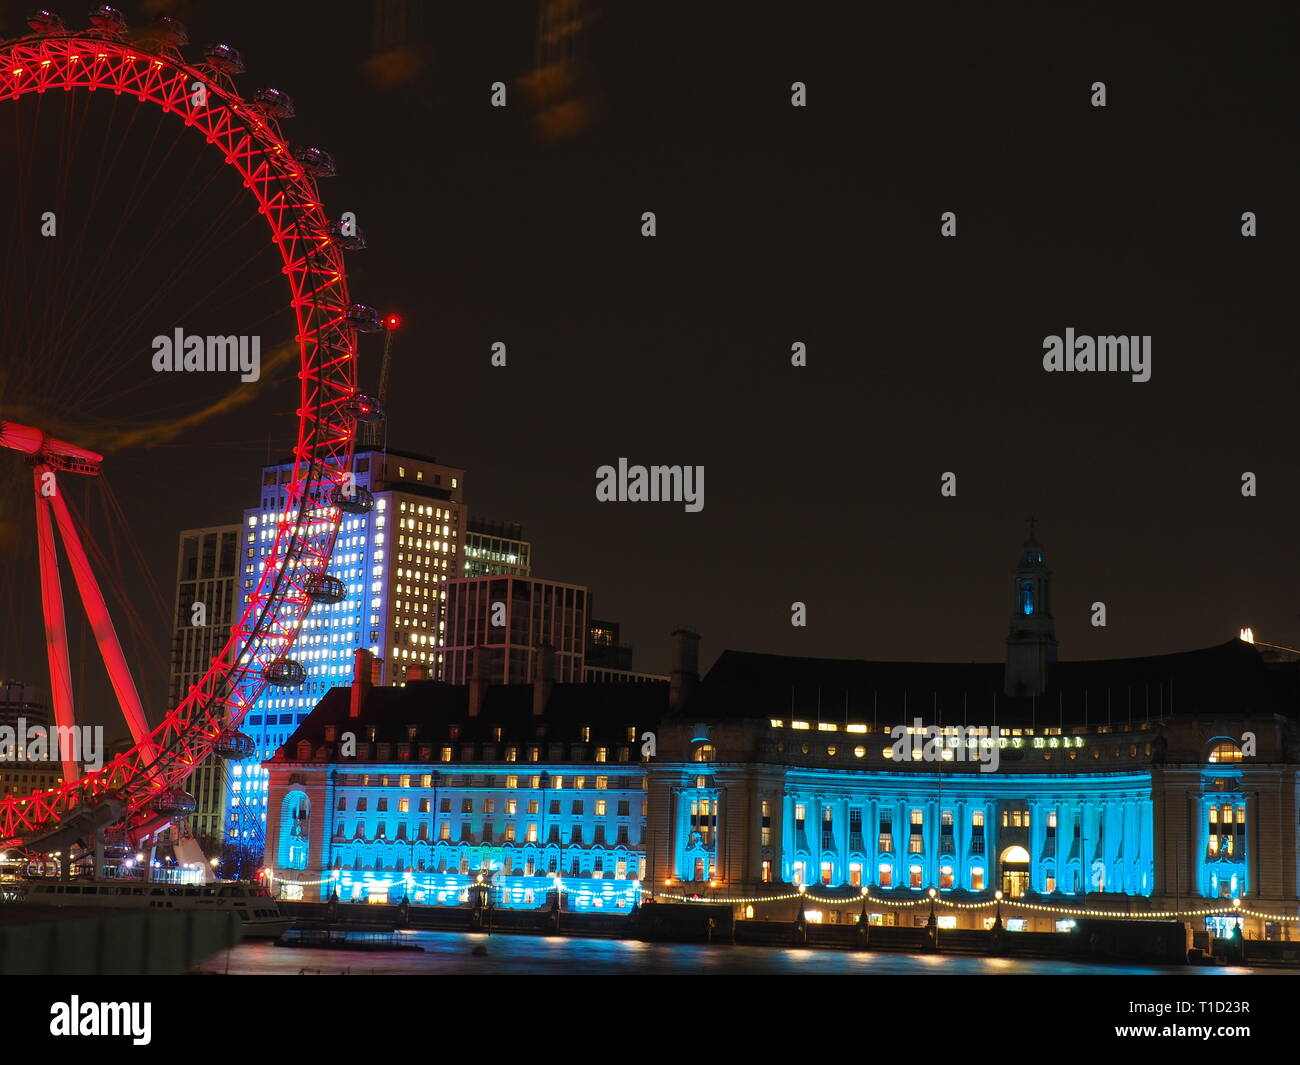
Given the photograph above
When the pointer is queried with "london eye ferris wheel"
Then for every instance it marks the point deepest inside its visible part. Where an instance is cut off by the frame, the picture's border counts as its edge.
(71, 401)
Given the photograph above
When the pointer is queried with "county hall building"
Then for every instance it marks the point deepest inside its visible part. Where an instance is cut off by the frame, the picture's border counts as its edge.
(1165, 784)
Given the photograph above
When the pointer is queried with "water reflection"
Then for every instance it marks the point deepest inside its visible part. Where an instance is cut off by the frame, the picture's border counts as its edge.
(449, 953)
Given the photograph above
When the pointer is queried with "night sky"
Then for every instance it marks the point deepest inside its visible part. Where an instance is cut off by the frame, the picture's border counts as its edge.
(779, 224)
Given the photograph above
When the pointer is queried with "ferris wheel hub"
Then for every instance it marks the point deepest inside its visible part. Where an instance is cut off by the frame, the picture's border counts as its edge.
(49, 451)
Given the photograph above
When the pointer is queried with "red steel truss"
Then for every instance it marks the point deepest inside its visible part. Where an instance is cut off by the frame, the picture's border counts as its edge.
(249, 139)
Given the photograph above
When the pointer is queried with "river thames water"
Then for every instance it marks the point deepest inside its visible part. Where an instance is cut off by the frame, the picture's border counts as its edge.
(449, 953)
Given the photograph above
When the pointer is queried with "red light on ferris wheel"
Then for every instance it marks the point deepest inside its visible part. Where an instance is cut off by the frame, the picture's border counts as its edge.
(393, 321)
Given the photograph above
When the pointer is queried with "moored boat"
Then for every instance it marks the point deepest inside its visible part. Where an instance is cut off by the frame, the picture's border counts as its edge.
(258, 912)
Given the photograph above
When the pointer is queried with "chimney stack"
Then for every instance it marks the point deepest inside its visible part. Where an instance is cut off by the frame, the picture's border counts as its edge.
(477, 682)
(363, 678)
(543, 677)
(685, 676)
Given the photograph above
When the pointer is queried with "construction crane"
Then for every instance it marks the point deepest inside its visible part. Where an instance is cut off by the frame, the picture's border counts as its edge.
(371, 431)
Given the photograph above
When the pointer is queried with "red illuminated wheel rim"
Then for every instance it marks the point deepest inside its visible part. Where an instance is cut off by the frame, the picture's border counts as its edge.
(248, 137)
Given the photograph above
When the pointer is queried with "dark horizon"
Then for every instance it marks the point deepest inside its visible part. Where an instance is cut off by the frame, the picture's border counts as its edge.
(775, 225)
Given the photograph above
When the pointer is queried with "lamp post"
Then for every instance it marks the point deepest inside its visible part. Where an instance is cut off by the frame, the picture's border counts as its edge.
(996, 932)
(932, 925)
(801, 922)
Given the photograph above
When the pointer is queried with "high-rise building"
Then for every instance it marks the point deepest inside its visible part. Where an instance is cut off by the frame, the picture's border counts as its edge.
(609, 661)
(496, 549)
(604, 651)
(207, 605)
(397, 546)
(20, 712)
(18, 700)
(504, 621)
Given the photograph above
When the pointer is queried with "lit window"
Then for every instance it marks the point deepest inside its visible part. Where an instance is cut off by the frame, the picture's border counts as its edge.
(1225, 752)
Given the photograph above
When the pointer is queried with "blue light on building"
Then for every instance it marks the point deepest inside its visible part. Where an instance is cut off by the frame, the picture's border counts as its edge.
(392, 555)
(911, 831)
(325, 645)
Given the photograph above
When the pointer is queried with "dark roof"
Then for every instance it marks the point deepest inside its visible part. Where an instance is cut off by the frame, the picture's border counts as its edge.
(432, 707)
(1229, 678)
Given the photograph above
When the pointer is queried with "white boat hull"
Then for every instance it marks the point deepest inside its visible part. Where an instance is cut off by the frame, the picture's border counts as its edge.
(259, 915)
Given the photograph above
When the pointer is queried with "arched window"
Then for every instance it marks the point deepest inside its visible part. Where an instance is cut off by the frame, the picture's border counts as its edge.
(1027, 597)
(704, 752)
(1225, 752)
(295, 822)
(1015, 871)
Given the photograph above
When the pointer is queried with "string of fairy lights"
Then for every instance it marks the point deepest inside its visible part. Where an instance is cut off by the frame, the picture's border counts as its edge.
(1236, 909)
(409, 882)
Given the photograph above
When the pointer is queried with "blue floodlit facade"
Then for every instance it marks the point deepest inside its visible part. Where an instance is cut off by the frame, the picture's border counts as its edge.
(1145, 785)
(1126, 787)
(893, 831)
(429, 836)
(543, 785)
(1158, 786)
